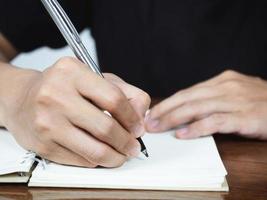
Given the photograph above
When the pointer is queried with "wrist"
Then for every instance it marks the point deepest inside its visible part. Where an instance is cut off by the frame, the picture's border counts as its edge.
(14, 85)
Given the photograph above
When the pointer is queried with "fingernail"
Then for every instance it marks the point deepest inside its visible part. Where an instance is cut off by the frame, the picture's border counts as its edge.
(182, 131)
(139, 130)
(152, 123)
(147, 113)
(135, 151)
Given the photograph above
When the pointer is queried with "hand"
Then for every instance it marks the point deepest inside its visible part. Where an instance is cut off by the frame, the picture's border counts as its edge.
(60, 116)
(229, 103)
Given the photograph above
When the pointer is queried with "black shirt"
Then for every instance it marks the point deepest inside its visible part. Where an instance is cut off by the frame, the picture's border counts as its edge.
(159, 46)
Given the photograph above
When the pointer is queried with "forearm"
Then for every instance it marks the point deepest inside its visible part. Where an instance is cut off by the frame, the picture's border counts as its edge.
(13, 85)
(7, 50)
(3, 57)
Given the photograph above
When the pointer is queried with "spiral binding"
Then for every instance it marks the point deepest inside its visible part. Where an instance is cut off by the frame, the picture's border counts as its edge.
(42, 161)
(31, 157)
(28, 157)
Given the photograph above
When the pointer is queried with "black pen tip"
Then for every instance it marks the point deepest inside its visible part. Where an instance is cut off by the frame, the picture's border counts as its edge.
(145, 153)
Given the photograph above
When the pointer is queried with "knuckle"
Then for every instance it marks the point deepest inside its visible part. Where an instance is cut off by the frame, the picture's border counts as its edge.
(203, 125)
(181, 93)
(230, 73)
(233, 85)
(107, 127)
(172, 119)
(217, 120)
(201, 107)
(50, 96)
(43, 150)
(65, 61)
(99, 155)
(157, 109)
(44, 95)
(146, 99)
(40, 124)
(116, 100)
(66, 65)
(191, 108)
(126, 145)
(258, 79)
(112, 77)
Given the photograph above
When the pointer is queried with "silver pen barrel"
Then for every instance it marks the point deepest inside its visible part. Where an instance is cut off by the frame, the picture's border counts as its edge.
(70, 34)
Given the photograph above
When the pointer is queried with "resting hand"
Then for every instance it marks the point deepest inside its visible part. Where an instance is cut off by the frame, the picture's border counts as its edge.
(229, 103)
(59, 115)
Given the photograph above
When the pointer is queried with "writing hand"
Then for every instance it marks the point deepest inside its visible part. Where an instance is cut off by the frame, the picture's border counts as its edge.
(59, 115)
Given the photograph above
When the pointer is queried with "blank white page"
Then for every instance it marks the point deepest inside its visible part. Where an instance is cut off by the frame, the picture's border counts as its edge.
(172, 164)
(13, 158)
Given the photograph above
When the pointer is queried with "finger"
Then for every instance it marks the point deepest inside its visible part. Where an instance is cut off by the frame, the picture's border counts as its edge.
(109, 97)
(192, 111)
(139, 99)
(216, 123)
(201, 90)
(64, 156)
(103, 127)
(180, 98)
(88, 147)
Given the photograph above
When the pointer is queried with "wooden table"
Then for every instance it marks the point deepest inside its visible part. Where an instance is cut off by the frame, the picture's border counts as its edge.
(245, 161)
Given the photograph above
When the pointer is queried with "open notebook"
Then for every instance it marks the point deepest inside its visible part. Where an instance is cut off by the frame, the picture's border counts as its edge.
(173, 165)
(15, 162)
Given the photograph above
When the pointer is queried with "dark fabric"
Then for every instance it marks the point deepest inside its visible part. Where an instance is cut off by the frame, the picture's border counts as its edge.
(27, 25)
(163, 46)
(159, 46)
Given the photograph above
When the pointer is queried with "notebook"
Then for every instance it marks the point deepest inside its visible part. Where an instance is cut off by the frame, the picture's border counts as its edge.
(172, 165)
(15, 162)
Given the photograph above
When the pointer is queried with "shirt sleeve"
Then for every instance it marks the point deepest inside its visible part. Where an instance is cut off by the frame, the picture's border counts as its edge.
(27, 25)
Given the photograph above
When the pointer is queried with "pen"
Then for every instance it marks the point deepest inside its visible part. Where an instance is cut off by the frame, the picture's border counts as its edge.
(73, 39)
